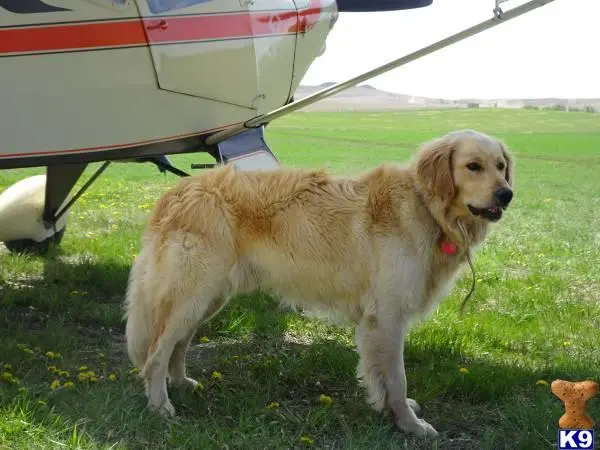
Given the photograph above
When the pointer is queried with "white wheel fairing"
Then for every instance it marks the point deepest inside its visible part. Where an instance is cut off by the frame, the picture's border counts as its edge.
(21, 210)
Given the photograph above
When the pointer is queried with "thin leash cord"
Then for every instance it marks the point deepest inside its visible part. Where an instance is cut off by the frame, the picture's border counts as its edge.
(468, 296)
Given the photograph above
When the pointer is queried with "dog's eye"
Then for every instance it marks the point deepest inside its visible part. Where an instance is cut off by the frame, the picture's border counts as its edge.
(473, 166)
(500, 166)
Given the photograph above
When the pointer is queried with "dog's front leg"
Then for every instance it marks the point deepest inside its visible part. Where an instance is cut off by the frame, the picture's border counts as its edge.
(380, 343)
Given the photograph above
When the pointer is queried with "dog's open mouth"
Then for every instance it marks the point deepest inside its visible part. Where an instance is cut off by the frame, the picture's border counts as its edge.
(492, 214)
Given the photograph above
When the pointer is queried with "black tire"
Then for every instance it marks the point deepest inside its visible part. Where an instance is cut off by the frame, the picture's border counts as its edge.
(36, 248)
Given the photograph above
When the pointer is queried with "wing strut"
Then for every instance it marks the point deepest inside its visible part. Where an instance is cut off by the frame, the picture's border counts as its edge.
(499, 17)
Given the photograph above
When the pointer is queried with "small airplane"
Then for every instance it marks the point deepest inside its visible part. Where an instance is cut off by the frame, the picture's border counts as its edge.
(86, 81)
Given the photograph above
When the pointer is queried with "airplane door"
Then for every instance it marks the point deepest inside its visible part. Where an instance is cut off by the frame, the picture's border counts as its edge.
(235, 51)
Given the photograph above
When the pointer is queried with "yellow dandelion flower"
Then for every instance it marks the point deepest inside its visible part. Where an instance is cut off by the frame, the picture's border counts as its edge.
(83, 368)
(273, 405)
(53, 355)
(7, 376)
(541, 383)
(217, 375)
(64, 373)
(566, 343)
(69, 384)
(463, 370)
(23, 390)
(306, 440)
(28, 351)
(52, 369)
(198, 387)
(7, 367)
(325, 399)
(93, 379)
(55, 385)
(90, 373)
(204, 339)
(82, 376)
(134, 370)
(112, 377)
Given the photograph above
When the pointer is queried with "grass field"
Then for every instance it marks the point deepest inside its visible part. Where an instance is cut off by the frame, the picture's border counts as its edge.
(481, 378)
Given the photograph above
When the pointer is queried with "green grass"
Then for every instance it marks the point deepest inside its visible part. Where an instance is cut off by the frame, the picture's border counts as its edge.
(535, 315)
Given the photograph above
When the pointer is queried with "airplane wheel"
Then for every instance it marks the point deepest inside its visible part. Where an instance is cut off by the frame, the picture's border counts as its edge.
(37, 248)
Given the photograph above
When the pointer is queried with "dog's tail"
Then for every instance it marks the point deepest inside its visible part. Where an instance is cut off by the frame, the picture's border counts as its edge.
(138, 313)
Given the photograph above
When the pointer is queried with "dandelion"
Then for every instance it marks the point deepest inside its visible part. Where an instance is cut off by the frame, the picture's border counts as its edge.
(82, 376)
(306, 440)
(134, 371)
(112, 377)
(55, 385)
(63, 373)
(463, 370)
(9, 378)
(198, 387)
(25, 349)
(93, 379)
(273, 405)
(541, 383)
(83, 368)
(325, 399)
(53, 355)
(69, 385)
(52, 369)
(7, 367)
(566, 343)
(204, 339)
(216, 376)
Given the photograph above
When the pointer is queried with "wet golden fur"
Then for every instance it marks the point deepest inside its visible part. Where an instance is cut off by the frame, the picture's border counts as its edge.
(362, 249)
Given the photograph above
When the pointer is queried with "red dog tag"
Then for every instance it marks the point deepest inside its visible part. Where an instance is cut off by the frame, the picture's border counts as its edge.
(447, 247)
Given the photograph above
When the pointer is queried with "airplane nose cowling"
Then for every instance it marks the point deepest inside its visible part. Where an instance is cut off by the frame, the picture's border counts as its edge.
(380, 5)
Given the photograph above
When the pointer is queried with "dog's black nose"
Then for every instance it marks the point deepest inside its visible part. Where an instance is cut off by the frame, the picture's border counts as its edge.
(503, 196)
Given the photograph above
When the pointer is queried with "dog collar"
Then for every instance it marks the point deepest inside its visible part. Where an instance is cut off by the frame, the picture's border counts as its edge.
(448, 248)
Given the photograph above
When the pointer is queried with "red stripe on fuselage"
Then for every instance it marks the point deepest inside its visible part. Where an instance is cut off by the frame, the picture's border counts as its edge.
(163, 30)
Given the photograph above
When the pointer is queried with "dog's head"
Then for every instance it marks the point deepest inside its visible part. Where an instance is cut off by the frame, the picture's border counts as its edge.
(470, 173)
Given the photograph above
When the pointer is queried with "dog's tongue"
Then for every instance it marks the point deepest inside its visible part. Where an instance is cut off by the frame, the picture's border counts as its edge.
(493, 210)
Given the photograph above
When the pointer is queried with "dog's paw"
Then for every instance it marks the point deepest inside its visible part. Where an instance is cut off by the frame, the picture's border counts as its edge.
(190, 383)
(413, 405)
(165, 409)
(420, 428)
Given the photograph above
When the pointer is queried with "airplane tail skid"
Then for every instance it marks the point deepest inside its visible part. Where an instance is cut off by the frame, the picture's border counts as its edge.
(499, 17)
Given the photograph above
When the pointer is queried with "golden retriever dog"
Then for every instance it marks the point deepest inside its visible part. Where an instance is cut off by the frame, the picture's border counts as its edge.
(380, 250)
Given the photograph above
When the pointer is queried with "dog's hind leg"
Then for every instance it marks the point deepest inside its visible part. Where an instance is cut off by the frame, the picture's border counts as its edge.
(190, 276)
(380, 343)
(177, 372)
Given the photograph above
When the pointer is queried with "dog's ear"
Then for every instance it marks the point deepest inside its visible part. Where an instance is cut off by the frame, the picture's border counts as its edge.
(434, 168)
(508, 172)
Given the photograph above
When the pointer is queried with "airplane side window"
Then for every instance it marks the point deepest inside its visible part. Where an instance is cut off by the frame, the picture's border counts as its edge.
(161, 6)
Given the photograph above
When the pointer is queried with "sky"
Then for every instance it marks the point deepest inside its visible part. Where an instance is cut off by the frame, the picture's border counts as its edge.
(553, 51)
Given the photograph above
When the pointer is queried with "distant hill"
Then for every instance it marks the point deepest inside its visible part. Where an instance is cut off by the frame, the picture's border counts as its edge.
(368, 98)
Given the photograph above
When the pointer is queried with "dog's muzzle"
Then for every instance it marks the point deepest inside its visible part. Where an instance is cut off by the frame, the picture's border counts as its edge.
(502, 198)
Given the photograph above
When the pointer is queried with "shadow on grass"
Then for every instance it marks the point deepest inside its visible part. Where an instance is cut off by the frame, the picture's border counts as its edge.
(273, 367)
